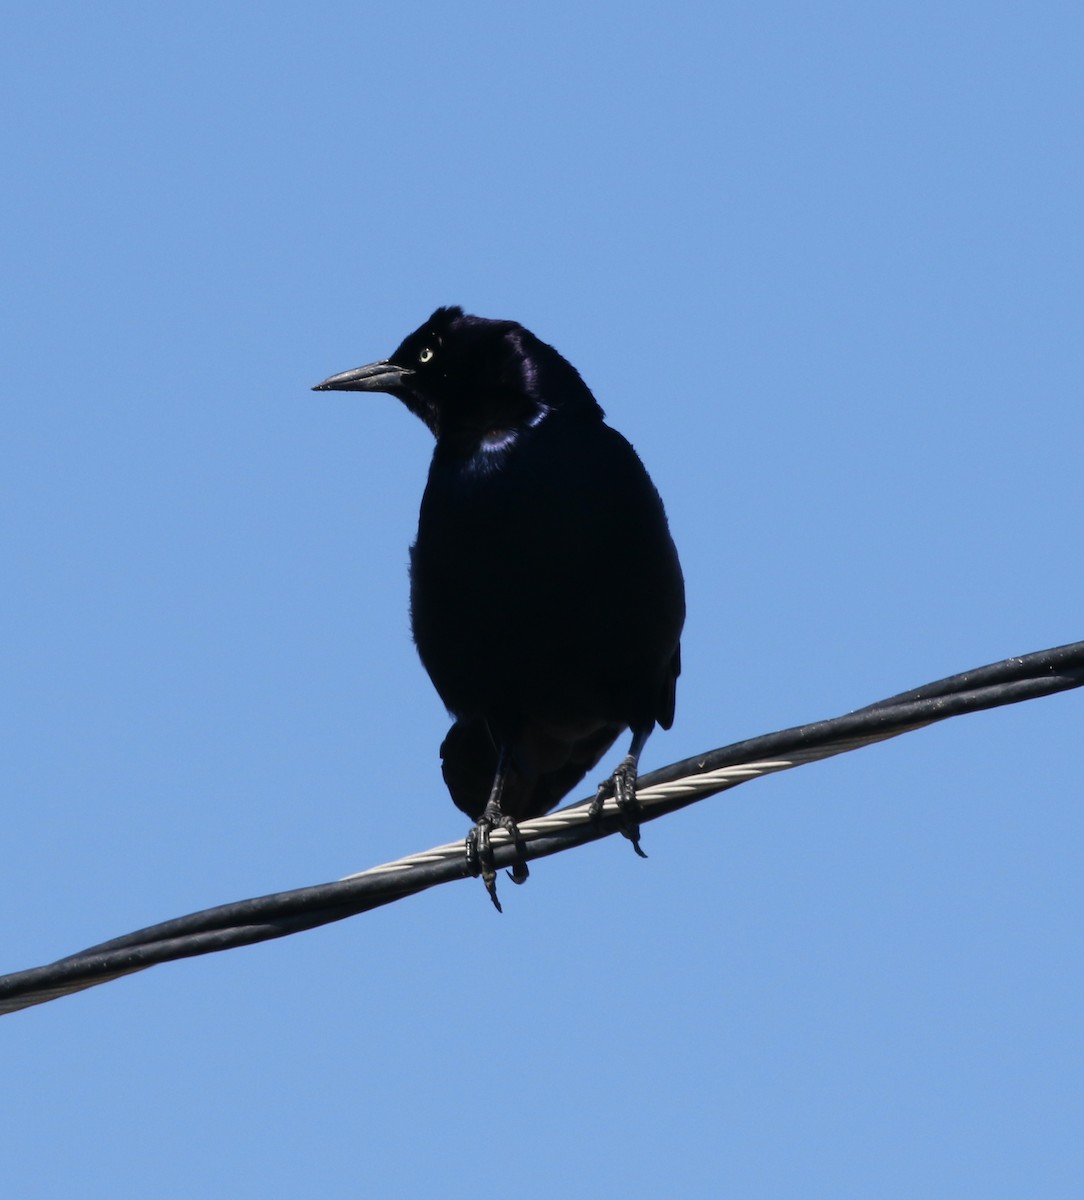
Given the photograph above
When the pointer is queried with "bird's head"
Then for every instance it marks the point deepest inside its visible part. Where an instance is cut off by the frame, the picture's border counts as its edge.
(471, 379)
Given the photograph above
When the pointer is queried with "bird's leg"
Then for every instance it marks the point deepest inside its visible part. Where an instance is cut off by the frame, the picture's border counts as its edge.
(622, 787)
(479, 850)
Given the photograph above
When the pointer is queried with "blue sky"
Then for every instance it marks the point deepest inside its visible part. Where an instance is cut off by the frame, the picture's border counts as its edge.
(822, 265)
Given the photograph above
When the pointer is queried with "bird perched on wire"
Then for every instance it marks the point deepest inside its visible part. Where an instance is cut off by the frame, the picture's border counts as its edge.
(547, 599)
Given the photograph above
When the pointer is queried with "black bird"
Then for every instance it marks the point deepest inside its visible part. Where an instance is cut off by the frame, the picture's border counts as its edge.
(547, 599)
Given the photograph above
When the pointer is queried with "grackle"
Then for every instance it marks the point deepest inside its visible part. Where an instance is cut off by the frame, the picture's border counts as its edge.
(546, 595)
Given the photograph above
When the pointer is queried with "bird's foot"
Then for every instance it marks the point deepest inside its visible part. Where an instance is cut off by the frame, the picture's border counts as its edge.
(621, 786)
(480, 854)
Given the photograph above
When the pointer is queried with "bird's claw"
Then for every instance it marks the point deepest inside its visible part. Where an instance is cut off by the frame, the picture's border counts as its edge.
(519, 872)
(480, 859)
(480, 854)
(621, 786)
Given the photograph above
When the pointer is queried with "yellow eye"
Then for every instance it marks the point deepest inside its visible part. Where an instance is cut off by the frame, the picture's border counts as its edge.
(426, 354)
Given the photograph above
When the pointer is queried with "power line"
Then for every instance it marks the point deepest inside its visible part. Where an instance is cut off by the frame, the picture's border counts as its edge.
(660, 792)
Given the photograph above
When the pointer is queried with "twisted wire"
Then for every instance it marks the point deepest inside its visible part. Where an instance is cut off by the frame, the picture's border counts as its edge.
(660, 792)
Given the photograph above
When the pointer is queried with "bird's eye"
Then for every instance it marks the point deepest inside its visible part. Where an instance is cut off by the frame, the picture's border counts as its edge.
(425, 354)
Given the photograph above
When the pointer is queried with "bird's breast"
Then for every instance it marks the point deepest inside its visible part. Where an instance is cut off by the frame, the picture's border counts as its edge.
(513, 600)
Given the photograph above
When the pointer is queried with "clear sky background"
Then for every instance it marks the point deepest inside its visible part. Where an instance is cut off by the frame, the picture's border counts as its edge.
(822, 264)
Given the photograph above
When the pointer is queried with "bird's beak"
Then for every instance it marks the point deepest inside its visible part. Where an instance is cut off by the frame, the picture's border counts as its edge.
(383, 376)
